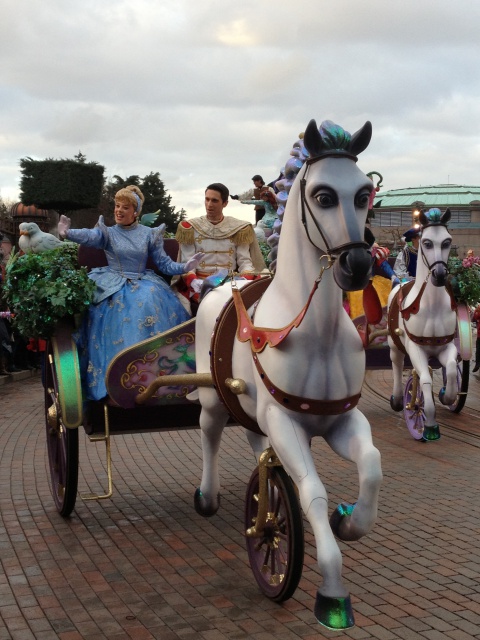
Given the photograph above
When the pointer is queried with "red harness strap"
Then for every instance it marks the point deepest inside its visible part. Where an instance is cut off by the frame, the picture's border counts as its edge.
(261, 336)
(413, 309)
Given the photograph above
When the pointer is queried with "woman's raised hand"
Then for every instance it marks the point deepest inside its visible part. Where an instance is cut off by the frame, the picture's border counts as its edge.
(192, 264)
(63, 226)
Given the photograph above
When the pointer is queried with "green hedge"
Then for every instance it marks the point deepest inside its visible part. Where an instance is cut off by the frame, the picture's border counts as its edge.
(63, 185)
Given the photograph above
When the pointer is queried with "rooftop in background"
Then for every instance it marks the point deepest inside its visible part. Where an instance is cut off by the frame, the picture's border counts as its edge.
(441, 195)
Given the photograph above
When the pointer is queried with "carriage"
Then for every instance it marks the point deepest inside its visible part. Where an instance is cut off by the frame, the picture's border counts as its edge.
(244, 358)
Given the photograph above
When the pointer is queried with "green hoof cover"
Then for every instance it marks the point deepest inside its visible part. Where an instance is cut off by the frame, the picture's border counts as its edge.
(431, 433)
(334, 613)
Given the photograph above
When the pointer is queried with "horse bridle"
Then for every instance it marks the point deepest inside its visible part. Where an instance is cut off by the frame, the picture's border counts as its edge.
(331, 252)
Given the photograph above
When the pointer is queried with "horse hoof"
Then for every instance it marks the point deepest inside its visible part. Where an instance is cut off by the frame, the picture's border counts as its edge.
(397, 405)
(334, 613)
(431, 433)
(342, 511)
(201, 506)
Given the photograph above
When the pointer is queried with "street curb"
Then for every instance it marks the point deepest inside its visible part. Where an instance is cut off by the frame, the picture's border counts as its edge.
(17, 376)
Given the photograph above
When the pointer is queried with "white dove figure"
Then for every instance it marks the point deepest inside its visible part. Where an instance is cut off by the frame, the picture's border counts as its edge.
(33, 240)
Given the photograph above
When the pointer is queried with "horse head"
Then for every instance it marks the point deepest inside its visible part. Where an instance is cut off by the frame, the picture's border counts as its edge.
(435, 244)
(335, 194)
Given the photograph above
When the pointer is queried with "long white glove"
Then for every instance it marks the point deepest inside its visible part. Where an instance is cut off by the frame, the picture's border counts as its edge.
(192, 264)
(63, 226)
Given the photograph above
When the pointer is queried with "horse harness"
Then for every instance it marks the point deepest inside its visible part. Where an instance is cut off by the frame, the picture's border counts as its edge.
(396, 310)
(260, 337)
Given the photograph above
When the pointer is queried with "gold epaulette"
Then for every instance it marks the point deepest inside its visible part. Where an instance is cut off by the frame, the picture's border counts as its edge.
(244, 236)
(185, 236)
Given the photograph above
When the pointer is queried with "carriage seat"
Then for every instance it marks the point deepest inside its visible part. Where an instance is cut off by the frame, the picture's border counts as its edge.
(91, 258)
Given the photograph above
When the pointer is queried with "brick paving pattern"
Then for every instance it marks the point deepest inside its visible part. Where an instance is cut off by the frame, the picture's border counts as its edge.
(144, 565)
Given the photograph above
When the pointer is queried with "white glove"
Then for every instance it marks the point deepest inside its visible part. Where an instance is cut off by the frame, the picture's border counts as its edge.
(192, 264)
(63, 226)
(196, 285)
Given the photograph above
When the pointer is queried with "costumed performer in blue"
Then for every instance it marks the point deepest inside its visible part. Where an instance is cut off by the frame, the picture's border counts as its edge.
(405, 266)
(131, 302)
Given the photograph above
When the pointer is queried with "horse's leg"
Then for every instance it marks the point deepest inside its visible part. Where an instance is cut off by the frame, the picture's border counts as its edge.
(448, 359)
(351, 438)
(213, 419)
(292, 445)
(397, 357)
(258, 443)
(420, 364)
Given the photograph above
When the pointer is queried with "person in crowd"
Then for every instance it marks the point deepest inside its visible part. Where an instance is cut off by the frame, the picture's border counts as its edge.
(405, 266)
(131, 302)
(255, 194)
(269, 202)
(228, 244)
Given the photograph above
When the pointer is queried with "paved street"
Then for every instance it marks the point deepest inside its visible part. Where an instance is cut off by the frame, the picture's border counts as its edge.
(144, 565)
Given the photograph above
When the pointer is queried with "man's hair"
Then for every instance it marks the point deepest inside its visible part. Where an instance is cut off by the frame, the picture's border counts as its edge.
(221, 188)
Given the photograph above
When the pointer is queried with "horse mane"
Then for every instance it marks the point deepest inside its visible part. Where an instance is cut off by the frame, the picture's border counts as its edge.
(328, 139)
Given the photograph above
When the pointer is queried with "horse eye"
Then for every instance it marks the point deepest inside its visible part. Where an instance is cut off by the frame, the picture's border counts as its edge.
(326, 200)
(361, 200)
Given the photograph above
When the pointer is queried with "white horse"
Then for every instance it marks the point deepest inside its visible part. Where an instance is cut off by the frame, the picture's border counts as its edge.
(318, 368)
(422, 323)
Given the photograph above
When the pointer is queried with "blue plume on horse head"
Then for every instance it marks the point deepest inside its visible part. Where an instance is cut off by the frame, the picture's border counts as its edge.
(434, 217)
(331, 139)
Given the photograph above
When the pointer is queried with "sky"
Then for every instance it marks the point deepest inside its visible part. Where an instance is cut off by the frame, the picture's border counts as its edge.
(218, 90)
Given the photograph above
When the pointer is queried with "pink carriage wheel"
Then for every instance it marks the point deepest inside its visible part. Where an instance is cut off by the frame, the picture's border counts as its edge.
(276, 558)
(62, 443)
(415, 415)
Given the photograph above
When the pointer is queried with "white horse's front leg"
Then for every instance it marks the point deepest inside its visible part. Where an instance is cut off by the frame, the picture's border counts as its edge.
(420, 363)
(213, 419)
(351, 438)
(397, 358)
(292, 446)
(258, 443)
(448, 359)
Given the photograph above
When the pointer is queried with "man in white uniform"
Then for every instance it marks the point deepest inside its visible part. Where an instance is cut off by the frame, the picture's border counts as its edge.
(227, 243)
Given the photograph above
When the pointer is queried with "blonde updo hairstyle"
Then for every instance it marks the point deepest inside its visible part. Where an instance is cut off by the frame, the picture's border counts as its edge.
(131, 195)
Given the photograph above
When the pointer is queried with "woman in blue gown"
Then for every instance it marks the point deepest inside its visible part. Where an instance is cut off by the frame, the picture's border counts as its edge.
(131, 302)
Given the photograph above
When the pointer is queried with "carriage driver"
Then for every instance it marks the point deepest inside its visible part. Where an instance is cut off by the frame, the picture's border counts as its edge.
(228, 244)
(406, 263)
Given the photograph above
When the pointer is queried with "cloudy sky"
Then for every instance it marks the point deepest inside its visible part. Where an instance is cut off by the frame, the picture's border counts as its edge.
(217, 90)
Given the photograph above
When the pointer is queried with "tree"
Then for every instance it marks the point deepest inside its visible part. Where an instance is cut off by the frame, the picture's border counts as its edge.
(156, 198)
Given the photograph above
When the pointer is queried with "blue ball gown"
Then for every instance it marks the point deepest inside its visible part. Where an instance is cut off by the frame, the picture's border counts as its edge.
(131, 302)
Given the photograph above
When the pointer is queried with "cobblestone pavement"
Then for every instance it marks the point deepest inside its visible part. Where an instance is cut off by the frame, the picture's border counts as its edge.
(144, 565)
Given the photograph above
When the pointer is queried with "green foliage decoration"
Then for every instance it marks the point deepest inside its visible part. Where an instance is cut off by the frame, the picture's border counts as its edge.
(43, 288)
(265, 249)
(465, 279)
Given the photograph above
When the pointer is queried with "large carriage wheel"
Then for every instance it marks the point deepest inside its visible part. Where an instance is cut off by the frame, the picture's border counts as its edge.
(413, 409)
(62, 443)
(276, 558)
(463, 375)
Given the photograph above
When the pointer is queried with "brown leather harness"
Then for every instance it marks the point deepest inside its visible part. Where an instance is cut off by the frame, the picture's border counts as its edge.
(396, 310)
(259, 338)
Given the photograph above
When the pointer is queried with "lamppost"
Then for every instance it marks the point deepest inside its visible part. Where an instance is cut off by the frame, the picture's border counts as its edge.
(416, 209)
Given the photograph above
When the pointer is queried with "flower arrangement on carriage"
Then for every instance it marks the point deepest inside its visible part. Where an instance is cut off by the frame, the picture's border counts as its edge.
(465, 279)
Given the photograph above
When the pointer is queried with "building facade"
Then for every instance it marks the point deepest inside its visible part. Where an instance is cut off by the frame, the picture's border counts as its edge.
(397, 210)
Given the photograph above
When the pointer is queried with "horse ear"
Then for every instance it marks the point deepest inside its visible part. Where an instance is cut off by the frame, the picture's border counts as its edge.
(313, 140)
(446, 217)
(361, 139)
(424, 221)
